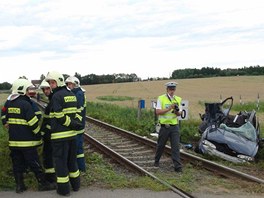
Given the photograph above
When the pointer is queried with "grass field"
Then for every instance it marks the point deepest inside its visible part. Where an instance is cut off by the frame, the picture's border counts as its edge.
(196, 91)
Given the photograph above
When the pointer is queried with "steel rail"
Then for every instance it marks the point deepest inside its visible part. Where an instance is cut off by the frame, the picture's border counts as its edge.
(131, 165)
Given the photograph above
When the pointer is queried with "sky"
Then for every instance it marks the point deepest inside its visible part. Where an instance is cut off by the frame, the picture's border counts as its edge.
(150, 38)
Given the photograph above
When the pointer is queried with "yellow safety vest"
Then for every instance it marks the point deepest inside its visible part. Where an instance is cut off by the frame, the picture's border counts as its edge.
(169, 117)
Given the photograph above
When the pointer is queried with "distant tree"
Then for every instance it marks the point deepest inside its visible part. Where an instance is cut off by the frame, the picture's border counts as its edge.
(132, 77)
(211, 72)
(5, 86)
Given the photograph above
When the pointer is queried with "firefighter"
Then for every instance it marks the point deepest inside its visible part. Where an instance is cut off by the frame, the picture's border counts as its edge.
(73, 83)
(45, 132)
(24, 135)
(65, 121)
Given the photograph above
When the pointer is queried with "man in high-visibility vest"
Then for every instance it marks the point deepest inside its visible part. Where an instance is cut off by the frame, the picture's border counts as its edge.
(167, 110)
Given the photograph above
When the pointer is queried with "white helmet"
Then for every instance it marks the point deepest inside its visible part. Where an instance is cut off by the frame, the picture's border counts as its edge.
(21, 85)
(44, 84)
(74, 80)
(58, 77)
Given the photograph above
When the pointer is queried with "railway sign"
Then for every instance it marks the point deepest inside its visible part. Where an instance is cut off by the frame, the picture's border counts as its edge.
(184, 108)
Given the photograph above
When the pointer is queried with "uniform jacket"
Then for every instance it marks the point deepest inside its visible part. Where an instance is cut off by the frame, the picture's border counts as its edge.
(4, 109)
(63, 112)
(45, 127)
(23, 123)
(81, 106)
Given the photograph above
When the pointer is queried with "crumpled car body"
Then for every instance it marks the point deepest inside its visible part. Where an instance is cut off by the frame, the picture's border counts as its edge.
(233, 138)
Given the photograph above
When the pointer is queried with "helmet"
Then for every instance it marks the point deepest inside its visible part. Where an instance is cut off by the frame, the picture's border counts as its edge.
(58, 77)
(171, 84)
(44, 84)
(20, 86)
(74, 80)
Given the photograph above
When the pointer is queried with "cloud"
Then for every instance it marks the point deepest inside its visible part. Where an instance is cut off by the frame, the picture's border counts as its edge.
(151, 38)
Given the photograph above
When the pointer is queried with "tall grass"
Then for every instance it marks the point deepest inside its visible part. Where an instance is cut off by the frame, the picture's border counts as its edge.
(115, 98)
(249, 106)
(127, 118)
(123, 117)
(6, 175)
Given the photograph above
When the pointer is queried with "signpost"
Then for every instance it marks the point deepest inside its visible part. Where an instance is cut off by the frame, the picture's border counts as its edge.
(141, 105)
(184, 108)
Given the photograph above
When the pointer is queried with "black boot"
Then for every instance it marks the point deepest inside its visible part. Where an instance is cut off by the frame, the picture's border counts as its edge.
(51, 177)
(43, 184)
(20, 185)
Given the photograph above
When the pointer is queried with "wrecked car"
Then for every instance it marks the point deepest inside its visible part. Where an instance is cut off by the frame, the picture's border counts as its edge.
(231, 137)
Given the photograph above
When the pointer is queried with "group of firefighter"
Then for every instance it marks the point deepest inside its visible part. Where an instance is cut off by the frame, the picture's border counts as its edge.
(59, 130)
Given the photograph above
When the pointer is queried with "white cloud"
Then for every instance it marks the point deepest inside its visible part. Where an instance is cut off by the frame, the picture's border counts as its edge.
(151, 38)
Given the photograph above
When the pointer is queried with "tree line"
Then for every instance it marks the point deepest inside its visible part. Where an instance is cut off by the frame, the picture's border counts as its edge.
(204, 72)
(214, 72)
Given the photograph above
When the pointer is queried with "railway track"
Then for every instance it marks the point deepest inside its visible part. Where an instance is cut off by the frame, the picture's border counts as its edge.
(137, 153)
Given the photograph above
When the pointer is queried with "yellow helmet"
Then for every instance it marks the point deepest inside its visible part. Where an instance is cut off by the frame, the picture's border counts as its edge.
(58, 77)
(44, 84)
(74, 80)
(20, 86)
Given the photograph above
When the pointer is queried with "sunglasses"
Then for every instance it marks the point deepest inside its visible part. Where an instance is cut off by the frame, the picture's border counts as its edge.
(171, 88)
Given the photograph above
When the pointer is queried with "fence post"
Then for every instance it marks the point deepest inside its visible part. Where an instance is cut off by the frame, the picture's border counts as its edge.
(258, 102)
(153, 106)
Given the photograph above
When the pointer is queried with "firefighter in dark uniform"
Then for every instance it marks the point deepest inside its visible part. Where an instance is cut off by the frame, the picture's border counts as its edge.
(24, 135)
(65, 121)
(45, 132)
(73, 83)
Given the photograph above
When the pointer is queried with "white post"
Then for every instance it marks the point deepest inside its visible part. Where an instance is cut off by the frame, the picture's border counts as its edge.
(258, 102)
